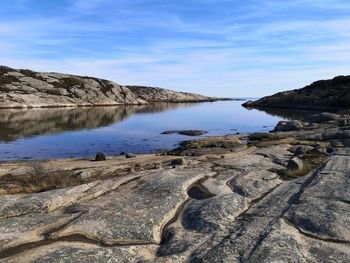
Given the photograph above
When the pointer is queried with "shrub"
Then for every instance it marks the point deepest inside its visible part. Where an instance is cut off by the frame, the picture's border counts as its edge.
(38, 178)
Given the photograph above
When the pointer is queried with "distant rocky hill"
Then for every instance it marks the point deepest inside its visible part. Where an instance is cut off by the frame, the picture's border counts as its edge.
(26, 88)
(151, 94)
(322, 95)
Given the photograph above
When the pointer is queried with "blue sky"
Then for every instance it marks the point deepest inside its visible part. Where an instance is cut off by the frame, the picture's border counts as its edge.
(214, 47)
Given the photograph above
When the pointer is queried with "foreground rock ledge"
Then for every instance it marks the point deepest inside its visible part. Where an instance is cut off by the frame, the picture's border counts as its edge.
(222, 203)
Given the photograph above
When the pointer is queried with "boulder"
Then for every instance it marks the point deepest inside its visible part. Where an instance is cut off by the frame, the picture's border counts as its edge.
(288, 126)
(295, 164)
(100, 156)
(179, 161)
(130, 155)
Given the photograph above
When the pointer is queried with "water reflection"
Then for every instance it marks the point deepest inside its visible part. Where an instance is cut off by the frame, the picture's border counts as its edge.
(81, 132)
(288, 114)
(18, 123)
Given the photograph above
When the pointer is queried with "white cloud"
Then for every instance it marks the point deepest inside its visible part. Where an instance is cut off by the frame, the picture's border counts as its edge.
(234, 56)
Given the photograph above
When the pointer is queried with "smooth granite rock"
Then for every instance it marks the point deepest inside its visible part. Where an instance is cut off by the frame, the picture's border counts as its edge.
(29, 89)
(227, 207)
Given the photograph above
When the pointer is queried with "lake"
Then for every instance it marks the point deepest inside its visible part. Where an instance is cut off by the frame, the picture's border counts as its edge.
(81, 132)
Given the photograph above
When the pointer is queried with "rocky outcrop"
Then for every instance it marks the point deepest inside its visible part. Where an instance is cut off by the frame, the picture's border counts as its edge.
(151, 94)
(29, 89)
(322, 95)
(219, 202)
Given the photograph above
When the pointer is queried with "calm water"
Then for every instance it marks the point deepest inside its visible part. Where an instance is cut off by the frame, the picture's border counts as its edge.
(81, 132)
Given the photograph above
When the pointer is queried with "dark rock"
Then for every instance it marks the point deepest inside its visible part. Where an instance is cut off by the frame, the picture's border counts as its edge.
(186, 132)
(295, 164)
(130, 155)
(323, 94)
(180, 161)
(322, 117)
(169, 132)
(300, 150)
(248, 104)
(344, 122)
(288, 126)
(169, 245)
(100, 156)
(192, 132)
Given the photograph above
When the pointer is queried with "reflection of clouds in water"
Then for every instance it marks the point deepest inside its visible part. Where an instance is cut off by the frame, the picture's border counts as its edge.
(17, 123)
(81, 132)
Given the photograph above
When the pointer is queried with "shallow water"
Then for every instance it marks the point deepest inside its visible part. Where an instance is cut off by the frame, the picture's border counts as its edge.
(81, 132)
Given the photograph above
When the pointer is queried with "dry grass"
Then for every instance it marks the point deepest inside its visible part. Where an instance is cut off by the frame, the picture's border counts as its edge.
(311, 162)
(38, 178)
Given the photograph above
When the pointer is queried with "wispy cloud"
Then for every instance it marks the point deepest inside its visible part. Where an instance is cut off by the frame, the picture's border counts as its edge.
(252, 48)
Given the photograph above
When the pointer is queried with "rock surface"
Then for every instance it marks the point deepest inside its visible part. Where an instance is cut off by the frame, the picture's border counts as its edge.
(322, 117)
(29, 89)
(152, 94)
(323, 95)
(288, 126)
(221, 201)
(100, 156)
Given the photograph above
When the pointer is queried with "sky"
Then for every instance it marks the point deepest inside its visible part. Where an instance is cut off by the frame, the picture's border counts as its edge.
(231, 48)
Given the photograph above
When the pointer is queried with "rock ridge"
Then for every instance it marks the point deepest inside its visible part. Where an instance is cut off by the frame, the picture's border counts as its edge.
(29, 89)
(331, 94)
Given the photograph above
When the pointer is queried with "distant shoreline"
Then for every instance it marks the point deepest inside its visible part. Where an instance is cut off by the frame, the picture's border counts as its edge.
(109, 104)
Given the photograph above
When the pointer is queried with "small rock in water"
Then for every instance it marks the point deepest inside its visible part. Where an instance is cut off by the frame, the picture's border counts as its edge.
(192, 132)
(100, 156)
(169, 132)
(130, 155)
(295, 164)
(186, 132)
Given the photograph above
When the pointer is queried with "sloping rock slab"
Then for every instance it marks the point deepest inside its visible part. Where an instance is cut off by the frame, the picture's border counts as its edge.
(136, 217)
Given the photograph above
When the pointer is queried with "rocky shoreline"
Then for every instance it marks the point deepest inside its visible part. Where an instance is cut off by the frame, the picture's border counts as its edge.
(281, 196)
(29, 89)
(325, 95)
